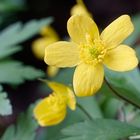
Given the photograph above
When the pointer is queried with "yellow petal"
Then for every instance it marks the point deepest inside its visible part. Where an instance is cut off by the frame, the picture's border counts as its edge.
(79, 8)
(88, 79)
(53, 121)
(117, 31)
(57, 87)
(39, 45)
(65, 92)
(71, 99)
(79, 26)
(121, 58)
(62, 54)
(50, 111)
(52, 71)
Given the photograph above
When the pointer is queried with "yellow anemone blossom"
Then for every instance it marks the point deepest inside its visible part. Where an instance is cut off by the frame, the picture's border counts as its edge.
(39, 45)
(52, 110)
(80, 8)
(90, 51)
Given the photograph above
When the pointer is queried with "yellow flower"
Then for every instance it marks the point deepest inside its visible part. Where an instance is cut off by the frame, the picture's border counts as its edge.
(52, 109)
(39, 45)
(80, 8)
(90, 51)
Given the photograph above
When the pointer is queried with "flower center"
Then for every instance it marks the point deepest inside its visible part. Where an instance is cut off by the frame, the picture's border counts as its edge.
(93, 51)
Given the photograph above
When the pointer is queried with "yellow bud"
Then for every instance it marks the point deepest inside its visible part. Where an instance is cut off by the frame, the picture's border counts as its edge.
(39, 45)
(50, 111)
(80, 8)
(65, 92)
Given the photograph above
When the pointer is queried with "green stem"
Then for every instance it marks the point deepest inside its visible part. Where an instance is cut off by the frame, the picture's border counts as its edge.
(124, 113)
(82, 109)
(120, 96)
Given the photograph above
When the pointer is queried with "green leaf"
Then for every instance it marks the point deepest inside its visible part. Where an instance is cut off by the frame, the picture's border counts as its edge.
(24, 128)
(5, 106)
(8, 50)
(135, 35)
(11, 5)
(71, 118)
(127, 84)
(110, 107)
(108, 104)
(17, 33)
(99, 129)
(136, 119)
(105, 91)
(14, 72)
(91, 106)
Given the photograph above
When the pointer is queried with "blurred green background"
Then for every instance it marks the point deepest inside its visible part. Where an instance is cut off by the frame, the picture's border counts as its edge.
(11, 11)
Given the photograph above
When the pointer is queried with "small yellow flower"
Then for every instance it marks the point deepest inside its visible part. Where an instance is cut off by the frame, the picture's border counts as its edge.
(90, 51)
(52, 109)
(80, 8)
(39, 45)
(49, 36)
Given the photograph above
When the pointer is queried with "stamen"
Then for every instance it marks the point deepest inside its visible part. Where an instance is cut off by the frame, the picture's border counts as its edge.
(93, 52)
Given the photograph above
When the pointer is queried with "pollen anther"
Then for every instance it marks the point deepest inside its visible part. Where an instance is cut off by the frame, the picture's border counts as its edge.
(93, 52)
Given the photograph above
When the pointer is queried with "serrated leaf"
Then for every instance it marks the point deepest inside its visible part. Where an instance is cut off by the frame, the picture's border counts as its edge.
(71, 118)
(24, 128)
(5, 106)
(99, 129)
(7, 51)
(14, 72)
(17, 33)
(127, 84)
